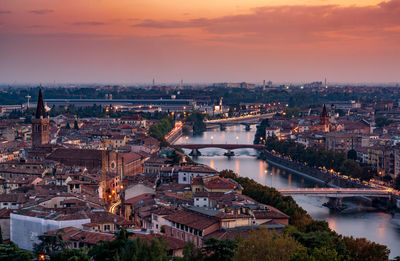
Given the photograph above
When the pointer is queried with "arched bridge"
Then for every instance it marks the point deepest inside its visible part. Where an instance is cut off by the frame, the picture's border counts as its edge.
(219, 146)
(337, 192)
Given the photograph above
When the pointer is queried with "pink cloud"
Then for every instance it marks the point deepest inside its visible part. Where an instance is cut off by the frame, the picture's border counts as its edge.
(298, 23)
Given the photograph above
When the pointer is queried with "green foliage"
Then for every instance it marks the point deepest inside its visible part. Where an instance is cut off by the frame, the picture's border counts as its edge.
(292, 112)
(350, 167)
(352, 154)
(259, 137)
(161, 128)
(70, 255)
(270, 196)
(11, 251)
(263, 244)
(191, 253)
(197, 120)
(382, 121)
(175, 157)
(362, 249)
(123, 248)
(319, 242)
(397, 182)
(220, 250)
(319, 158)
(76, 126)
(49, 244)
(1, 236)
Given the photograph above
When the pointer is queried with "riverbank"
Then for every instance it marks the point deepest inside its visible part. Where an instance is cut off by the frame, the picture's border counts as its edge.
(328, 179)
(375, 226)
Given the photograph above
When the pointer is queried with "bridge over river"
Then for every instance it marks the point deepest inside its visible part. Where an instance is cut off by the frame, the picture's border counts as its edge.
(336, 195)
(337, 192)
(229, 147)
(243, 120)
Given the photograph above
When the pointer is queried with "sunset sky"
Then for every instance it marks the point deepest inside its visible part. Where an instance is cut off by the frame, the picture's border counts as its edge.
(134, 41)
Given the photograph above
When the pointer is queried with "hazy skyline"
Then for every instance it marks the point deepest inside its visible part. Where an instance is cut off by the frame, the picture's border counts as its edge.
(132, 41)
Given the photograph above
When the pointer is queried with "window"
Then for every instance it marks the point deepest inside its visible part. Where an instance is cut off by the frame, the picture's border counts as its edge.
(106, 227)
(184, 178)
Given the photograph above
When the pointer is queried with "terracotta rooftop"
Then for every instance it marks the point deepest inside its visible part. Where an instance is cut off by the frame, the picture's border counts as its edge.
(221, 183)
(76, 234)
(192, 219)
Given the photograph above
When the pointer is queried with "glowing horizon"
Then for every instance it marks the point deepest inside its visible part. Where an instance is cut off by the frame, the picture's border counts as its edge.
(204, 41)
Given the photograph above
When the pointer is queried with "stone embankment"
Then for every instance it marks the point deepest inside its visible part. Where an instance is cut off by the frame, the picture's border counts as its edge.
(326, 178)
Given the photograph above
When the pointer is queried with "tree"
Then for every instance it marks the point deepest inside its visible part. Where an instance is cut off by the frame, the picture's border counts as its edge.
(363, 250)
(1, 236)
(191, 253)
(11, 251)
(123, 248)
(325, 254)
(220, 250)
(387, 178)
(260, 132)
(49, 244)
(352, 154)
(197, 120)
(70, 255)
(382, 121)
(351, 168)
(367, 173)
(301, 254)
(266, 245)
(397, 182)
(76, 126)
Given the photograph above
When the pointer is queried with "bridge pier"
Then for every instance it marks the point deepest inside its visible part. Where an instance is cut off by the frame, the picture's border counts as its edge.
(229, 153)
(195, 153)
(247, 127)
(334, 203)
(222, 127)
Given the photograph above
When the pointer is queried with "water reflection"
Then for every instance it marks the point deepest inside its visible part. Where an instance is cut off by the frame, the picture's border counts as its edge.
(373, 226)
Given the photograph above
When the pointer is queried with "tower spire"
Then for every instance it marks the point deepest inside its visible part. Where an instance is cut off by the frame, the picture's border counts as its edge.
(40, 111)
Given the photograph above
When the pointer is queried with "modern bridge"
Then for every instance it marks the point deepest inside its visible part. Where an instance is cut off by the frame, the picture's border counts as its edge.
(337, 192)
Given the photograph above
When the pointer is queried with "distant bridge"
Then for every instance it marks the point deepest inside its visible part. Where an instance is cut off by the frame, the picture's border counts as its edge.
(219, 146)
(337, 192)
(249, 119)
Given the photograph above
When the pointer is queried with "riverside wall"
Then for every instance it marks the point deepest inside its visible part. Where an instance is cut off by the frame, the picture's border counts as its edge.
(321, 177)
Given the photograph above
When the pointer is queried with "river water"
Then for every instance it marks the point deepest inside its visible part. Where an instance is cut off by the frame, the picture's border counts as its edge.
(375, 226)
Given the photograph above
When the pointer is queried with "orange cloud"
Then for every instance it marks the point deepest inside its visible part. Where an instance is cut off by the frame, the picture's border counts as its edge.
(111, 43)
(297, 23)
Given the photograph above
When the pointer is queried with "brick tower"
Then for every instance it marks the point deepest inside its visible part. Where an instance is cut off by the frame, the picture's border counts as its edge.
(40, 125)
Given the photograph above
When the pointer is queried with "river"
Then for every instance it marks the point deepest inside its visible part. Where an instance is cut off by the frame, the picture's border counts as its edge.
(375, 226)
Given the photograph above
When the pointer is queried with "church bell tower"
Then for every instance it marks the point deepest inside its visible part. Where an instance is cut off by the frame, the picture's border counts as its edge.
(40, 125)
